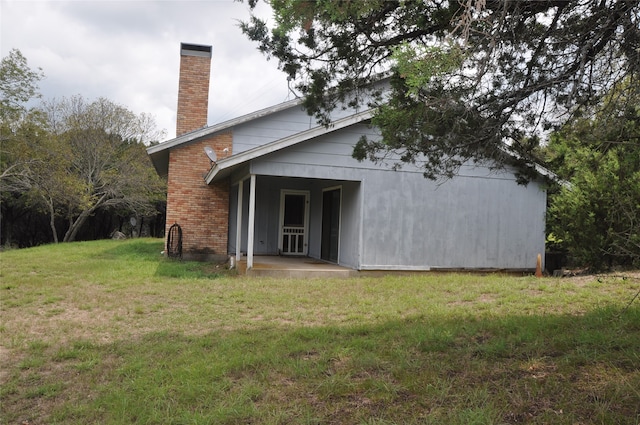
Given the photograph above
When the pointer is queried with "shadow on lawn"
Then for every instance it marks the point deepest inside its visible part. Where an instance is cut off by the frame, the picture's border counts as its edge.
(456, 370)
(146, 249)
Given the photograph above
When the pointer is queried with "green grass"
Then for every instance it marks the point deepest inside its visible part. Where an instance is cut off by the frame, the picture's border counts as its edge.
(109, 332)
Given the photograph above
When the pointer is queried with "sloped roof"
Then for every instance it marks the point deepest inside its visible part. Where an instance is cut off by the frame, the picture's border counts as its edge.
(224, 167)
(159, 153)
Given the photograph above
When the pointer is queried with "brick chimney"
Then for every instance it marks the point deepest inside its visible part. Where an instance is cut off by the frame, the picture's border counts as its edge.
(193, 87)
(201, 210)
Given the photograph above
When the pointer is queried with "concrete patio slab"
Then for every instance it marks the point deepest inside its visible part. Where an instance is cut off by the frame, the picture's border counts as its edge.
(294, 268)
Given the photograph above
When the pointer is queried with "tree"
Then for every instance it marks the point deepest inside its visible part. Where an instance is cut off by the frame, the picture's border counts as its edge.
(468, 78)
(18, 85)
(35, 169)
(68, 159)
(82, 158)
(596, 215)
(104, 161)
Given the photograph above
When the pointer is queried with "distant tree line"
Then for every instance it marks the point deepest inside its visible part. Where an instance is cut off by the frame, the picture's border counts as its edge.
(594, 214)
(71, 169)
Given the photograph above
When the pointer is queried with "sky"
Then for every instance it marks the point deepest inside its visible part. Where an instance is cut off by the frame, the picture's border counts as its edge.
(129, 53)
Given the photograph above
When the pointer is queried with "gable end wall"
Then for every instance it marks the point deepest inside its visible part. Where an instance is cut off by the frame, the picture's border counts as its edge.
(201, 210)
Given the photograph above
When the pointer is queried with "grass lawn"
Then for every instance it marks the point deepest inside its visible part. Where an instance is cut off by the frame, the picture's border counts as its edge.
(109, 332)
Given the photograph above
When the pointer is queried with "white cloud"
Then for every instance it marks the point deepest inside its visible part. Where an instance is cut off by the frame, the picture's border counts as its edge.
(128, 52)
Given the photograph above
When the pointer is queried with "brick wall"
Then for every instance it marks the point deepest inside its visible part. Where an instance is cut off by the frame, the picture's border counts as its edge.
(193, 92)
(201, 210)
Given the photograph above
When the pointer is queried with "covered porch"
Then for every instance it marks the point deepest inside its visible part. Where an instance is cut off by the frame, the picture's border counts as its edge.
(301, 225)
(298, 196)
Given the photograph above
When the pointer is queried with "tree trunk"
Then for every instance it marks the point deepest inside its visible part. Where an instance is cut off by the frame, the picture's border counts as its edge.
(76, 224)
(52, 219)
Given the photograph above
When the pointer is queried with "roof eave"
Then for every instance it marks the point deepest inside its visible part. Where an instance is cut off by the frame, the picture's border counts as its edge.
(159, 153)
(205, 131)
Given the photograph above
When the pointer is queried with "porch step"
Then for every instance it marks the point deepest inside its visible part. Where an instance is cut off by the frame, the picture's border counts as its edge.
(302, 273)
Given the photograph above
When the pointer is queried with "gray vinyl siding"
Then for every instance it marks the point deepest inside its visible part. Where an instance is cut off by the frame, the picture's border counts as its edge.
(466, 222)
(270, 128)
(400, 220)
(349, 219)
(267, 129)
(327, 157)
(350, 224)
(267, 215)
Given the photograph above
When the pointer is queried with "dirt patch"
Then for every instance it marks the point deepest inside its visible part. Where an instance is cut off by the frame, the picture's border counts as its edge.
(482, 298)
(582, 277)
(5, 356)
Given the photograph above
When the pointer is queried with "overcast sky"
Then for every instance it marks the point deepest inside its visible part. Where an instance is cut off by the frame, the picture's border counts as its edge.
(129, 52)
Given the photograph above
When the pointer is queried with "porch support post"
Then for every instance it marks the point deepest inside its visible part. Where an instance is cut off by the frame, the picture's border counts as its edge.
(252, 214)
(239, 222)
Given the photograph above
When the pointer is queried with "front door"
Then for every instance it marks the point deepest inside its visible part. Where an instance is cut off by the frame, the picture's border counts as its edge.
(294, 219)
(330, 224)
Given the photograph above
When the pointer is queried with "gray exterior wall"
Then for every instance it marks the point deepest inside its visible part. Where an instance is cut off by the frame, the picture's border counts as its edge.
(350, 224)
(398, 219)
(267, 215)
(471, 221)
(270, 128)
(276, 126)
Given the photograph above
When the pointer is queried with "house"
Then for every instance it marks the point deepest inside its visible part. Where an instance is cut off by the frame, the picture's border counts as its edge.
(274, 182)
